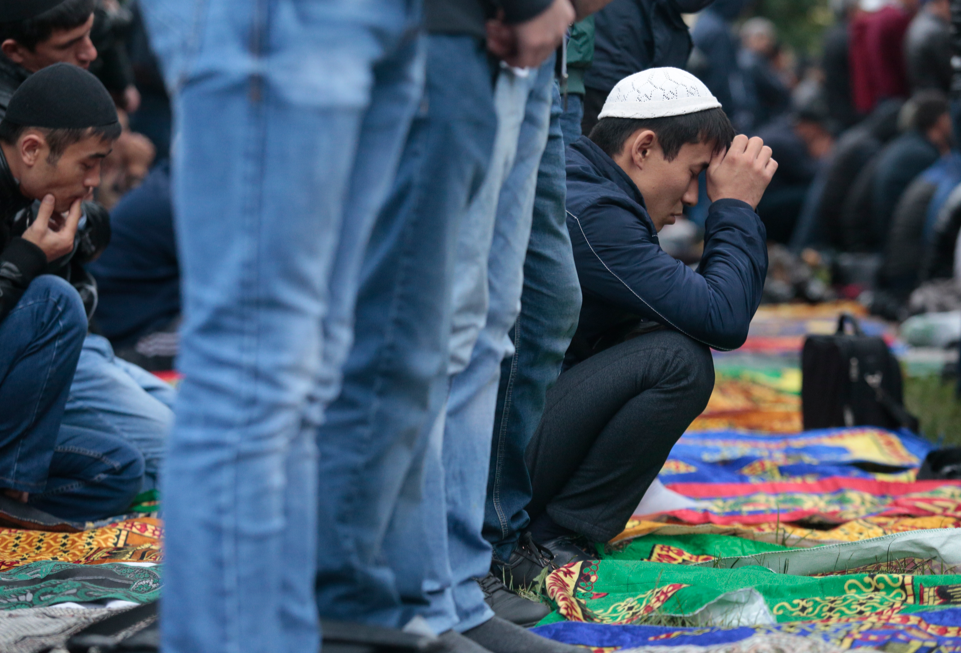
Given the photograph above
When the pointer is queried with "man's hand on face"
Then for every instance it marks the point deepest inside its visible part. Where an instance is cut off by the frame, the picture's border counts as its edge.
(527, 45)
(742, 172)
(54, 233)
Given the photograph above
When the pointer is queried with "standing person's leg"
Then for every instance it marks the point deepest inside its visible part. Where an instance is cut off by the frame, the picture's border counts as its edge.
(105, 398)
(271, 109)
(572, 117)
(609, 426)
(373, 437)
(420, 518)
(473, 394)
(550, 304)
(40, 342)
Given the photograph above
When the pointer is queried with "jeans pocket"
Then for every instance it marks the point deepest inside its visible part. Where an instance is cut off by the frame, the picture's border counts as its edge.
(176, 29)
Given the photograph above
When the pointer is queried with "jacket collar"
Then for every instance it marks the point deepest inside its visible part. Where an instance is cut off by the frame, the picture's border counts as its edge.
(11, 77)
(607, 168)
(11, 199)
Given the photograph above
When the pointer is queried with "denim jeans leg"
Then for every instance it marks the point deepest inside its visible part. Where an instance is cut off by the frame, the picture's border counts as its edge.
(107, 397)
(373, 436)
(473, 394)
(271, 106)
(572, 117)
(93, 475)
(40, 342)
(550, 305)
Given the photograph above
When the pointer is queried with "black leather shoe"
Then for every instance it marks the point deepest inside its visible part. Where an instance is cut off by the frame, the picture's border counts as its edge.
(509, 605)
(526, 563)
(529, 559)
(567, 549)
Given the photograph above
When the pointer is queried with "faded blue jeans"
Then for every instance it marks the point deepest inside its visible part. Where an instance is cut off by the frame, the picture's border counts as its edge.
(487, 286)
(290, 119)
(40, 343)
(550, 305)
(69, 471)
(571, 119)
(373, 442)
(116, 398)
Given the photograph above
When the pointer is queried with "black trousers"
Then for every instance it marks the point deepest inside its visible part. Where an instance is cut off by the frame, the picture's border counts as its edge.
(608, 427)
(593, 103)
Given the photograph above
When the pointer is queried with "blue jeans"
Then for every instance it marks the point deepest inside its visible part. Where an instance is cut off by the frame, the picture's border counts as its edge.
(487, 287)
(290, 119)
(93, 475)
(571, 119)
(116, 398)
(550, 305)
(40, 340)
(373, 441)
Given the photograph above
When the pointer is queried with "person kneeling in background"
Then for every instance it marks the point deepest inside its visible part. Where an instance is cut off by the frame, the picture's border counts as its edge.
(60, 125)
(639, 369)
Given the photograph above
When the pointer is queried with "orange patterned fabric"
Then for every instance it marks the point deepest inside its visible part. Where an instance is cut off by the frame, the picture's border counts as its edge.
(132, 540)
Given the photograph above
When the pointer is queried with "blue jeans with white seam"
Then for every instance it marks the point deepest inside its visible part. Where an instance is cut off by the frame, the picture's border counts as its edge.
(290, 117)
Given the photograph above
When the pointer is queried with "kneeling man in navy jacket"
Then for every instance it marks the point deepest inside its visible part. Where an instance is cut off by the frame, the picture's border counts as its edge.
(639, 369)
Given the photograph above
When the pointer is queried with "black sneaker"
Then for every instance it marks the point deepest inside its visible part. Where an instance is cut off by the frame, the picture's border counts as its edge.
(530, 559)
(526, 563)
(567, 549)
(509, 605)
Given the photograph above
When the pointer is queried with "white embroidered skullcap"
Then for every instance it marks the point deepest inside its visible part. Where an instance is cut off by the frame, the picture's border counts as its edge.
(656, 93)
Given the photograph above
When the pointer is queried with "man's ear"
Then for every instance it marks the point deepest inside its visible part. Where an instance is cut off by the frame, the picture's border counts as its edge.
(13, 51)
(33, 147)
(641, 147)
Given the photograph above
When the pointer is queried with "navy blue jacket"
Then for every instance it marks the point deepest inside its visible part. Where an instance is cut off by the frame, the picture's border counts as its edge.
(627, 278)
(138, 275)
(634, 35)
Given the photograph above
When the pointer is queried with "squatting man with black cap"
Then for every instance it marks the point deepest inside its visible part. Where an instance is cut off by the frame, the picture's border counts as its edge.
(639, 368)
(108, 395)
(60, 125)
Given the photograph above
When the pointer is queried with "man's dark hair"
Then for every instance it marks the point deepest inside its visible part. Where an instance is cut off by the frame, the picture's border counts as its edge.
(929, 105)
(673, 132)
(69, 14)
(59, 139)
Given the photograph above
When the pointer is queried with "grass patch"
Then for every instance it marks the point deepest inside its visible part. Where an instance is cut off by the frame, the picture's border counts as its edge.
(934, 403)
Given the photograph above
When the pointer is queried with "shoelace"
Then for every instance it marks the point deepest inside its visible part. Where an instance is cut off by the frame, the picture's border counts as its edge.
(532, 551)
(490, 584)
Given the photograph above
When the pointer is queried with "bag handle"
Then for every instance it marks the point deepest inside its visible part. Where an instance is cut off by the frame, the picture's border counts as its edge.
(847, 317)
(898, 412)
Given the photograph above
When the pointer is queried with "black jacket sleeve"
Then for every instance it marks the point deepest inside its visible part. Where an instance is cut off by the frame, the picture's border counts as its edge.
(521, 11)
(20, 263)
(620, 261)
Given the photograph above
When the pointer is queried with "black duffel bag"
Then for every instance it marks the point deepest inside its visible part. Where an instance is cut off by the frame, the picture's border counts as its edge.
(852, 380)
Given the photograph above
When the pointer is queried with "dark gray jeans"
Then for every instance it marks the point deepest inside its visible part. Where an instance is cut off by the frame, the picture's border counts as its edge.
(609, 426)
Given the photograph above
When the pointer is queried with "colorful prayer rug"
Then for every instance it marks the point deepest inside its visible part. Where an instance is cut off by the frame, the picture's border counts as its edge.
(793, 534)
(133, 540)
(936, 551)
(626, 592)
(920, 632)
(754, 399)
(726, 457)
(42, 584)
(827, 501)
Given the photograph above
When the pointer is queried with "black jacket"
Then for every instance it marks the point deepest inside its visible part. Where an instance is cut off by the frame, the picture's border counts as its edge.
(468, 16)
(11, 77)
(927, 52)
(20, 260)
(634, 35)
(628, 279)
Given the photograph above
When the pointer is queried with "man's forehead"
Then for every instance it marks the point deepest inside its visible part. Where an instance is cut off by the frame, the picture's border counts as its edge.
(65, 35)
(697, 153)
